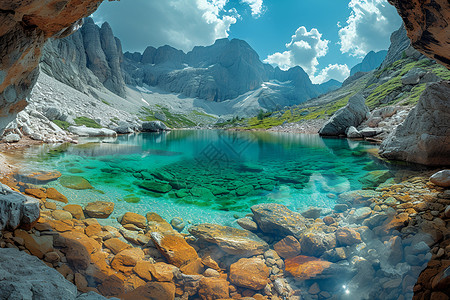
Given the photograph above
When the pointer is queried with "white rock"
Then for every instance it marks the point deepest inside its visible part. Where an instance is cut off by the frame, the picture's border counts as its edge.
(87, 131)
(12, 138)
(353, 133)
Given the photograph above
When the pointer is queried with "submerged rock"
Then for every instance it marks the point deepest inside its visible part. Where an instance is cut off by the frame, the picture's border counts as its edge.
(231, 240)
(251, 273)
(288, 247)
(306, 267)
(424, 137)
(374, 178)
(278, 219)
(353, 114)
(75, 182)
(155, 186)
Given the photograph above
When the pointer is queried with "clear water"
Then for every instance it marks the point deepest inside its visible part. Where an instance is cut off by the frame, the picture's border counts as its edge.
(214, 176)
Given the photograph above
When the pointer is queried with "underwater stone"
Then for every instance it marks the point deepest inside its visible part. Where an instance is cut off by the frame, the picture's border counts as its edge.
(306, 267)
(231, 240)
(178, 224)
(278, 219)
(75, 182)
(374, 178)
(155, 186)
(99, 209)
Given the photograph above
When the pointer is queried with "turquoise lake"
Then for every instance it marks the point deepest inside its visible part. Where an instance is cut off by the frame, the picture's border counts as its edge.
(208, 175)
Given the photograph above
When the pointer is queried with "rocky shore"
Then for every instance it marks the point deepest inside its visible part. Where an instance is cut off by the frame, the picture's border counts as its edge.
(386, 243)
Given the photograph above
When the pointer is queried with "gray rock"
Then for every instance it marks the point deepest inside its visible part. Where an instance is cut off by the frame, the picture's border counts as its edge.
(178, 224)
(154, 126)
(369, 132)
(413, 76)
(399, 43)
(441, 178)
(353, 133)
(429, 77)
(124, 128)
(12, 138)
(353, 114)
(424, 137)
(26, 277)
(278, 219)
(87, 131)
(370, 62)
(16, 209)
(247, 224)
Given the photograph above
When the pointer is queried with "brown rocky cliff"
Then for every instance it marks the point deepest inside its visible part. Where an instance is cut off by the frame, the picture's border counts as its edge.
(427, 24)
(24, 28)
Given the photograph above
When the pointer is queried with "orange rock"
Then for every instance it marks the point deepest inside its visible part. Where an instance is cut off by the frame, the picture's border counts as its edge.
(142, 269)
(157, 224)
(37, 245)
(99, 269)
(61, 226)
(251, 273)
(288, 247)
(152, 291)
(127, 259)
(213, 288)
(396, 223)
(78, 248)
(112, 286)
(162, 271)
(81, 282)
(305, 267)
(194, 267)
(99, 209)
(50, 205)
(135, 219)
(53, 194)
(61, 215)
(210, 262)
(328, 220)
(76, 211)
(43, 176)
(347, 237)
(37, 193)
(115, 245)
(174, 247)
(93, 230)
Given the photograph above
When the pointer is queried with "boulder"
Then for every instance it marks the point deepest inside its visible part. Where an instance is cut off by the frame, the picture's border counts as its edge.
(17, 210)
(76, 211)
(287, 247)
(99, 209)
(305, 267)
(91, 132)
(135, 219)
(75, 182)
(12, 138)
(250, 273)
(154, 126)
(413, 76)
(174, 247)
(231, 240)
(53, 194)
(353, 133)
(26, 277)
(353, 114)
(374, 178)
(127, 259)
(441, 178)
(213, 288)
(115, 245)
(247, 224)
(124, 128)
(347, 237)
(424, 137)
(278, 219)
(152, 291)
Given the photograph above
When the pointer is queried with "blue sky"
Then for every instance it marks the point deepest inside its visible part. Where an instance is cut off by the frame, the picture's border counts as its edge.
(325, 37)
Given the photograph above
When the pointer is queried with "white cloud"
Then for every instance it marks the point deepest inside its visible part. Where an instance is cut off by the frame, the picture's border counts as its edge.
(368, 27)
(182, 24)
(256, 6)
(303, 50)
(337, 72)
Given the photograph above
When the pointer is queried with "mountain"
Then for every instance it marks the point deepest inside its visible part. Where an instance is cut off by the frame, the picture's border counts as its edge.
(329, 86)
(370, 62)
(92, 59)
